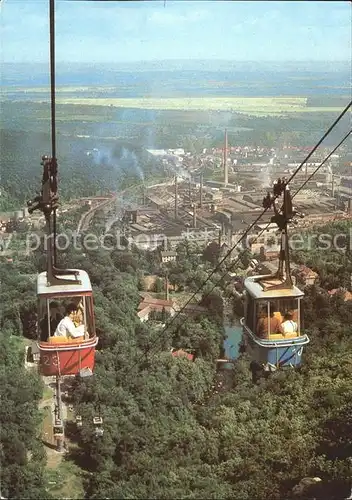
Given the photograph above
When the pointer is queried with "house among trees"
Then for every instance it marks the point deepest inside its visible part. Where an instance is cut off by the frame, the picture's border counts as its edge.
(168, 256)
(346, 294)
(180, 353)
(157, 309)
(305, 275)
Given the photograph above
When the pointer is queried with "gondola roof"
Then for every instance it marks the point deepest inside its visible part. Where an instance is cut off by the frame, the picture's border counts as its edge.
(44, 289)
(255, 289)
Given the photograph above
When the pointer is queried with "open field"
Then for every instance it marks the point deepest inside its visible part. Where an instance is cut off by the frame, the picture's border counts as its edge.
(254, 106)
(248, 105)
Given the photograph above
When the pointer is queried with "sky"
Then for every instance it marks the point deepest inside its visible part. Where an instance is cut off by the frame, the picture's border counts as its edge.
(115, 31)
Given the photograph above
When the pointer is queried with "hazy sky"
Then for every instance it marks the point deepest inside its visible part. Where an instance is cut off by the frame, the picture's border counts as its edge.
(108, 31)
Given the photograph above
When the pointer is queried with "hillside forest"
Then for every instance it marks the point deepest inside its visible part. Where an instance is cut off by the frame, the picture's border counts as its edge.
(175, 428)
(104, 149)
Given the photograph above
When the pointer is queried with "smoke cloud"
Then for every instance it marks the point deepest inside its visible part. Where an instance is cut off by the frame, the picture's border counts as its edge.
(120, 158)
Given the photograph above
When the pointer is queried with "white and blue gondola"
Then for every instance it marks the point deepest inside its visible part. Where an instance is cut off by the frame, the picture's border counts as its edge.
(274, 350)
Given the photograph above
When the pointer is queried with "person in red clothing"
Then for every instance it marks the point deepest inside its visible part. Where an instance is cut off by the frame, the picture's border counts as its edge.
(264, 322)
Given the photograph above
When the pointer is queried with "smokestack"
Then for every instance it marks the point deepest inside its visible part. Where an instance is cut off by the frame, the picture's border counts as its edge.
(229, 236)
(167, 287)
(201, 191)
(332, 186)
(176, 196)
(226, 168)
(190, 190)
(194, 215)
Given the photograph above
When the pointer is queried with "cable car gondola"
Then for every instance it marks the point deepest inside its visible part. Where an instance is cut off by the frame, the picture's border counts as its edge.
(60, 289)
(270, 299)
(57, 289)
(60, 356)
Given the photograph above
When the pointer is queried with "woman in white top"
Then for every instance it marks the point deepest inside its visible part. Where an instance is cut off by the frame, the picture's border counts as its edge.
(289, 326)
(66, 327)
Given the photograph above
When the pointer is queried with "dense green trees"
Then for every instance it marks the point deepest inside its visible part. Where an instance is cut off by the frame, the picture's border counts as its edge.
(327, 250)
(22, 455)
(115, 165)
(175, 428)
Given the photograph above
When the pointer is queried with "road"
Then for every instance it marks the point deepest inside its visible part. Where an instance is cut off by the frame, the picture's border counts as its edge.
(87, 217)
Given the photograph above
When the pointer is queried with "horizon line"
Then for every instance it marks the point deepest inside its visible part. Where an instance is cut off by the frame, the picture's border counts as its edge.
(147, 61)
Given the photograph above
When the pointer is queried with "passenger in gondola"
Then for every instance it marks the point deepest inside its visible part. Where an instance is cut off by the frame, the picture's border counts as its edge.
(289, 326)
(265, 321)
(66, 327)
(55, 318)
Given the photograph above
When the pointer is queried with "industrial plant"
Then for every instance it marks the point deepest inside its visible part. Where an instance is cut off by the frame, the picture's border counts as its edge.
(219, 206)
(214, 195)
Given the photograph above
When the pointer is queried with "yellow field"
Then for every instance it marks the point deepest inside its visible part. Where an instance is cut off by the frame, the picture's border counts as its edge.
(257, 106)
(248, 105)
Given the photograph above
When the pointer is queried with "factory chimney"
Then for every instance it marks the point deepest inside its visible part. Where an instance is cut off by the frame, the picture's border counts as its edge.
(176, 196)
(229, 235)
(167, 287)
(194, 215)
(201, 191)
(190, 191)
(226, 168)
(333, 186)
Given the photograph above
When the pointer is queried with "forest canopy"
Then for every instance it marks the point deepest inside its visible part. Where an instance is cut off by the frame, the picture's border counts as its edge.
(175, 428)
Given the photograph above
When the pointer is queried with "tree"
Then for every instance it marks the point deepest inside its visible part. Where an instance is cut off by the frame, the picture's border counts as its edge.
(211, 253)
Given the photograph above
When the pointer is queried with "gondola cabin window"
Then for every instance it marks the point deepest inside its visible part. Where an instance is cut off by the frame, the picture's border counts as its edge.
(276, 317)
(54, 311)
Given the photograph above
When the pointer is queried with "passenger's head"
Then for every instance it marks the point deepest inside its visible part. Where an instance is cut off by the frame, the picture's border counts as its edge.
(71, 309)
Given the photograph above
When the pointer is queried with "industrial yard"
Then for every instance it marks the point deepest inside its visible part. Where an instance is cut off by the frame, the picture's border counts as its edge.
(191, 204)
(214, 195)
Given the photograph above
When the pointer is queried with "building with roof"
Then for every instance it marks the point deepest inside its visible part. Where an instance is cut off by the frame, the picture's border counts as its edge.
(305, 275)
(168, 256)
(180, 353)
(150, 305)
(347, 296)
(143, 314)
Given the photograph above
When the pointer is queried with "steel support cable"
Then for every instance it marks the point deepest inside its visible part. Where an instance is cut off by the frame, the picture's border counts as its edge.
(52, 75)
(246, 233)
(52, 106)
